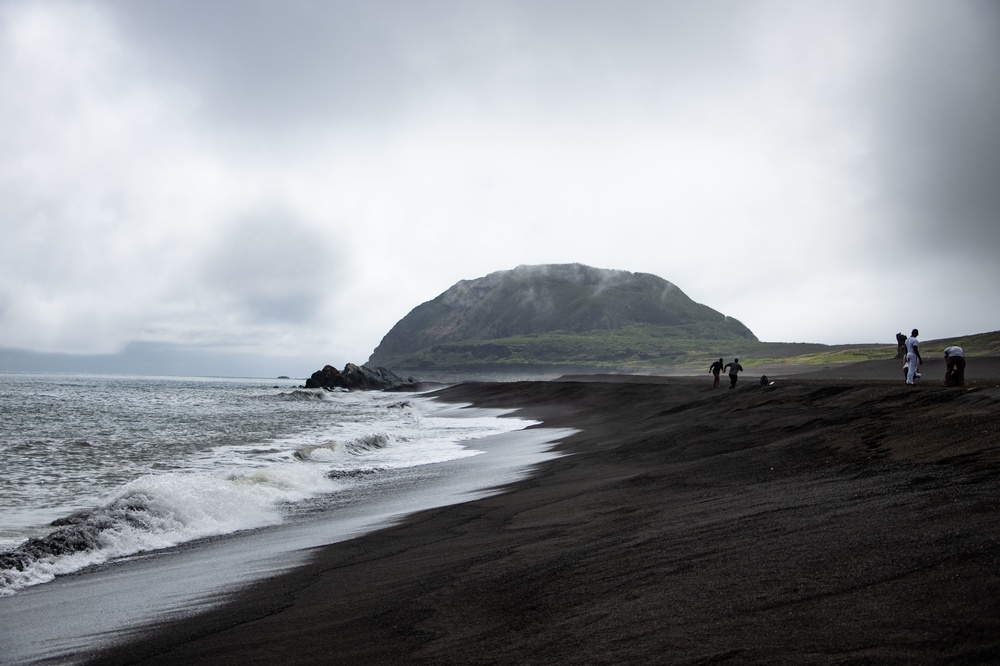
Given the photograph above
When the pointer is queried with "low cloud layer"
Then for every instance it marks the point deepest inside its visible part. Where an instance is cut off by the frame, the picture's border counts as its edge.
(290, 179)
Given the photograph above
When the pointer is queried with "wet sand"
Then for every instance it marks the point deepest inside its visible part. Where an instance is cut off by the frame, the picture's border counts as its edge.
(827, 518)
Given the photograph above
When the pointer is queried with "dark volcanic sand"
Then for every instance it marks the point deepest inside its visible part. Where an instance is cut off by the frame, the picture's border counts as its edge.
(812, 521)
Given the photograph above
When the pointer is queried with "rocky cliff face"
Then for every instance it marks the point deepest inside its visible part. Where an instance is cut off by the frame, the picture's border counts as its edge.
(532, 300)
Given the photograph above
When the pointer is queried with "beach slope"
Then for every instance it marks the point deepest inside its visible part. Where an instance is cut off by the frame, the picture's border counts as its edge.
(810, 521)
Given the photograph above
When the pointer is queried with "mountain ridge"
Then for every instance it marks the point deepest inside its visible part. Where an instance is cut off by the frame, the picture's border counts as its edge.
(553, 314)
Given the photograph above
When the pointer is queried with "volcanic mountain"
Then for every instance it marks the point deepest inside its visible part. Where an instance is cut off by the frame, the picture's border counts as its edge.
(556, 315)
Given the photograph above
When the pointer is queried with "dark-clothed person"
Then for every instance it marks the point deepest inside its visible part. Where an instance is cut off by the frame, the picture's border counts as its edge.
(715, 369)
(734, 369)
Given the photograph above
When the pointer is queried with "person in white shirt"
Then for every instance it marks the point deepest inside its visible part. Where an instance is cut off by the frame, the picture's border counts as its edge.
(954, 374)
(913, 359)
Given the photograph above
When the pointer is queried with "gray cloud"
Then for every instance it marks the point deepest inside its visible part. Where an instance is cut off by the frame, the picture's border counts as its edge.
(934, 110)
(782, 162)
(272, 65)
(271, 269)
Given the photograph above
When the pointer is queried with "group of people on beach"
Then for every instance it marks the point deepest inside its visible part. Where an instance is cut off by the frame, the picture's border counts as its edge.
(734, 370)
(954, 359)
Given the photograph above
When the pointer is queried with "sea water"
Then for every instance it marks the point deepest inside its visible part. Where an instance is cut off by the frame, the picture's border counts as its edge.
(95, 469)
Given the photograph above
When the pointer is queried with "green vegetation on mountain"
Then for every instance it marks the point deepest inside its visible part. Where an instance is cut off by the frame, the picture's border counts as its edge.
(557, 315)
(573, 317)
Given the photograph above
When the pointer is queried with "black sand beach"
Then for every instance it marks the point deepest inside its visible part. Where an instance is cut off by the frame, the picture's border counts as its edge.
(837, 517)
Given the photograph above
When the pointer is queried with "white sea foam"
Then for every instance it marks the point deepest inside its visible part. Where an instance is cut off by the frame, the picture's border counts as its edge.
(159, 511)
(196, 459)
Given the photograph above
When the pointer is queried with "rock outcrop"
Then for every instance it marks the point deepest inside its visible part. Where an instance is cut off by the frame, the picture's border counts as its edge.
(357, 378)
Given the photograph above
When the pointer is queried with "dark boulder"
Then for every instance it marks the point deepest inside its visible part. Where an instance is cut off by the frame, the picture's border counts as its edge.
(357, 378)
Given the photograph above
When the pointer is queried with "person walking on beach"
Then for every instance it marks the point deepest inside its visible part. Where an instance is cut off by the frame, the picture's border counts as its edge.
(715, 369)
(734, 369)
(913, 358)
(954, 373)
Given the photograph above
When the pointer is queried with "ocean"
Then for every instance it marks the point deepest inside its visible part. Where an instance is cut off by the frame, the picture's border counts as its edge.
(102, 477)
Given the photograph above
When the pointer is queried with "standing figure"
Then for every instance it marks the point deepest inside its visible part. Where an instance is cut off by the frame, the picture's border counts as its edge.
(715, 369)
(734, 369)
(954, 373)
(906, 371)
(900, 345)
(913, 359)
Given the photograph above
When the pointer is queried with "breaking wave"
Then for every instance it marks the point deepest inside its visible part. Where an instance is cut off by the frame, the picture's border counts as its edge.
(155, 512)
(158, 463)
(305, 395)
(336, 451)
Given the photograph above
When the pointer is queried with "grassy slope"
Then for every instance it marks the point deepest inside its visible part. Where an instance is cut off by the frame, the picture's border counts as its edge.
(980, 344)
(643, 348)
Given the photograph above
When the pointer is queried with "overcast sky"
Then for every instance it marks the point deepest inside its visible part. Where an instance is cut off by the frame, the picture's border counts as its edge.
(290, 178)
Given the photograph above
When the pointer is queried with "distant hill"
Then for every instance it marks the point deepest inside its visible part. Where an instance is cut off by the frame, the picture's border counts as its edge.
(566, 315)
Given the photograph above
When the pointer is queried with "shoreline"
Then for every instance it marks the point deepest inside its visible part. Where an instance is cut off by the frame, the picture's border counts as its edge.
(96, 607)
(812, 521)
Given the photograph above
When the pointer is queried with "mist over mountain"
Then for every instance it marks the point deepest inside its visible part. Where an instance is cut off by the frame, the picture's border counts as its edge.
(554, 315)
